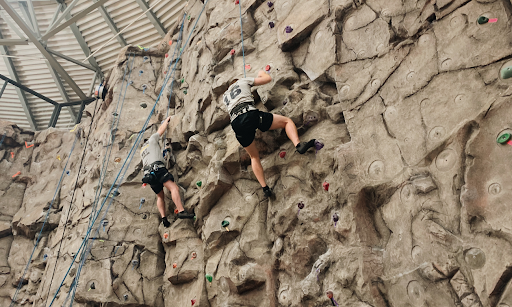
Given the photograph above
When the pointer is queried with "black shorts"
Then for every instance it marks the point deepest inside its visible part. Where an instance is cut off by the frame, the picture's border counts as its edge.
(162, 176)
(245, 125)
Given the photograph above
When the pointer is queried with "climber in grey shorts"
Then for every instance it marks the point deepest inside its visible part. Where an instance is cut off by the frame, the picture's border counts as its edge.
(156, 174)
(246, 118)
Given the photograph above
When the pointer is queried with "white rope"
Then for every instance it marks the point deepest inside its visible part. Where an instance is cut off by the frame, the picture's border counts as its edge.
(119, 33)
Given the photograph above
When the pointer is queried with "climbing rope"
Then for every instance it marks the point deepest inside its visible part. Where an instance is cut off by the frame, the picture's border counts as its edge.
(20, 284)
(3, 137)
(242, 33)
(103, 168)
(130, 157)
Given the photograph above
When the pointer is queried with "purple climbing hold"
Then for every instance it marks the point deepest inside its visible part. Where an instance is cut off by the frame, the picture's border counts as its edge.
(285, 102)
(270, 4)
(288, 29)
(318, 145)
(335, 218)
(271, 24)
(300, 205)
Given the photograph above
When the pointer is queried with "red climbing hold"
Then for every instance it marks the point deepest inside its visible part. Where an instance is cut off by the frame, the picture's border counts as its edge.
(329, 294)
(174, 265)
(18, 173)
(12, 154)
(232, 52)
(166, 55)
(170, 43)
(193, 302)
(267, 68)
(175, 211)
(237, 2)
(282, 154)
(326, 186)
(144, 185)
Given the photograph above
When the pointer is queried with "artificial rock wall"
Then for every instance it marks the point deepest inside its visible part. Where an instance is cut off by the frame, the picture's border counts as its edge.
(405, 94)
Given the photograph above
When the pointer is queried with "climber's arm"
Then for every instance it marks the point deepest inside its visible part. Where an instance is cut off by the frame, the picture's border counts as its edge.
(163, 126)
(262, 78)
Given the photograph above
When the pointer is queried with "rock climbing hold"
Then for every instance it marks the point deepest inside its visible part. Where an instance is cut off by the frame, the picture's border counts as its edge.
(271, 24)
(301, 206)
(143, 105)
(44, 257)
(74, 128)
(282, 154)
(193, 301)
(237, 1)
(93, 286)
(209, 277)
(67, 173)
(199, 183)
(503, 138)
(176, 211)
(270, 4)
(115, 193)
(174, 265)
(166, 235)
(144, 87)
(117, 160)
(326, 186)
(141, 72)
(329, 294)
(193, 255)
(114, 114)
(248, 66)
(285, 102)
(166, 55)
(170, 43)
(27, 146)
(145, 58)
(104, 223)
(12, 154)
(58, 157)
(165, 72)
(318, 145)
(267, 68)
(189, 16)
(182, 80)
(135, 263)
(18, 173)
(144, 185)
(232, 52)
(144, 216)
(142, 201)
(125, 296)
(335, 218)
(288, 29)
(482, 19)
(225, 224)
(506, 72)
(185, 92)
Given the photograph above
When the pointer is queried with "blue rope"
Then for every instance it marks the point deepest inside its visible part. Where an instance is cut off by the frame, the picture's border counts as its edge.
(20, 284)
(138, 139)
(3, 137)
(242, 31)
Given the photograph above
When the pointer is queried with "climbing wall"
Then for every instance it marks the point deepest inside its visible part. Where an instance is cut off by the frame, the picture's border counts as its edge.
(406, 204)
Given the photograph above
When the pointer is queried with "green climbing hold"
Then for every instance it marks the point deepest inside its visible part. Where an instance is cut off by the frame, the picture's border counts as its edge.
(199, 183)
(225, 223)
(503, 138)
(188, 17)
(506, 72)
(482, 19)
(209, 277)
(185, 92)
(182, 80)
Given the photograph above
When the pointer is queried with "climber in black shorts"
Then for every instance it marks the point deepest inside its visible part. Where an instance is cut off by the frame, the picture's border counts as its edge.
(246, 118)
(156, 174)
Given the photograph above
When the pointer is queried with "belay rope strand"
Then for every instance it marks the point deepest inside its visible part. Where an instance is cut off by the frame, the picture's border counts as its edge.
(242, 33)
(129, 157)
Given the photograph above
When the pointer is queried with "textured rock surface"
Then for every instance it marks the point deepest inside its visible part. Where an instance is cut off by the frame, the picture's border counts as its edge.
(406, 96)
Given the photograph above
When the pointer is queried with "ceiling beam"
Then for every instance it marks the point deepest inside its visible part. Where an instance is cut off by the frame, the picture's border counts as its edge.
(3, 88)
(33, 18)
(152, 17)
(111, 24)
(64, 75)
(83, 44)
(70, 59)
(12, 42)
(11, 24)
(56, 22)
(62, 90)
(68, 22)
(21, 94)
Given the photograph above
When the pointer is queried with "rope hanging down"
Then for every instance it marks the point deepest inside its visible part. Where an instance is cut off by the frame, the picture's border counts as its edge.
(103, 168)
(20, 284)
(242, 33)
(130, 157)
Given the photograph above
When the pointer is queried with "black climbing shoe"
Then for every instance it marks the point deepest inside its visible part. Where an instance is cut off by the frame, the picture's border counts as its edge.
(185, 215)
(166, 222)
(267, 191)
(303, 147)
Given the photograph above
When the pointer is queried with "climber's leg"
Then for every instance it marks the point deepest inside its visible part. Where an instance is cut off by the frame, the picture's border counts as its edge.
(282, 122)
(256, 163)
(175, 194)
(160, 203)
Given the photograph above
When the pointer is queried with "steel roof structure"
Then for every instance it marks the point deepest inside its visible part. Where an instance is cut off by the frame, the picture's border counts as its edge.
(61, 49)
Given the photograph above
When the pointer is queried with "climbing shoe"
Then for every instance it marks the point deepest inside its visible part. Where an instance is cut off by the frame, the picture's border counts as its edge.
(267, 191)
(303, 147)
(185, 215)
(166, 222)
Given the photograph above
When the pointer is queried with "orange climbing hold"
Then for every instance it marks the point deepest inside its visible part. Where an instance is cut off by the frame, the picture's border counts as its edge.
(18, 173)
(166, 235)
(26, 145)
(176, 211)
(174, 265)
(12, 154)
(267, 68)
(170, 43)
